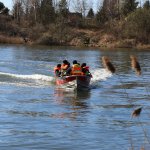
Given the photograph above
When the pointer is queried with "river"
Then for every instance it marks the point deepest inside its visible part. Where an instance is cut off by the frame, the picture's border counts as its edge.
(36, 114)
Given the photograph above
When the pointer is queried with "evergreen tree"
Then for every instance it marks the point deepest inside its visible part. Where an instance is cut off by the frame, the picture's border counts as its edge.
(63, 8)
(108, 11)
(47, 11)
(102, 15)
(1, 6)
(146, 5)
(90, 13)
(129, 6)
(5, 11)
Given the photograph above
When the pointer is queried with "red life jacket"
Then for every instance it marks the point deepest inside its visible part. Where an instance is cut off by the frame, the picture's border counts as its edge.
(76, 70)
(85, 71)
(86, 67)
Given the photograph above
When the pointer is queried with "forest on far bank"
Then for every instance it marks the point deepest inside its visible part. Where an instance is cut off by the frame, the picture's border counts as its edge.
(116, 23)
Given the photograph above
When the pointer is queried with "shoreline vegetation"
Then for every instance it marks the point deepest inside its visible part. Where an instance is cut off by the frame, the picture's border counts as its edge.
(126, 26)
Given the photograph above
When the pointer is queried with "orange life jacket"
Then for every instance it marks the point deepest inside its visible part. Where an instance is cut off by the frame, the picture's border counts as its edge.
(76, 70)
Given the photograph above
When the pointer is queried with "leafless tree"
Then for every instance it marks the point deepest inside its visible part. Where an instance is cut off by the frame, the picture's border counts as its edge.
(17, 9)
(81, 6)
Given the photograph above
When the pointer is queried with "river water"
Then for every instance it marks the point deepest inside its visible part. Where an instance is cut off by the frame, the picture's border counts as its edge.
(36, 114)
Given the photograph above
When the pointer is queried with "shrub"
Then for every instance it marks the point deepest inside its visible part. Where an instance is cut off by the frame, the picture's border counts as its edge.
(47, 40)
(138, 25)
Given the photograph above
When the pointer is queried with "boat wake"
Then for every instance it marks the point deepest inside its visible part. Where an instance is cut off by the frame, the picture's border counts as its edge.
(33, 77)
(100, 75)
(26, 80)
(36, 80)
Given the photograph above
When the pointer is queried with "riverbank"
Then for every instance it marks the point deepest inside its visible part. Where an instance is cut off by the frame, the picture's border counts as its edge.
(130, 29)
(111, 35)
(80, 38)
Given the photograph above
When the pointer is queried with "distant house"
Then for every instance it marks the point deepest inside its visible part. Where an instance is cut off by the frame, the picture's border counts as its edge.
(74, 18)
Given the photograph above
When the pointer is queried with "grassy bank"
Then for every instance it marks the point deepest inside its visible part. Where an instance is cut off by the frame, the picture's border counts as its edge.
(77, 37)
(126, 32)
(10, 40)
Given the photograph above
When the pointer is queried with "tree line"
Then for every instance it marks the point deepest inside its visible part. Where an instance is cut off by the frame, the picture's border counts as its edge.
(122, 18)
(47, 11)
(117, 9)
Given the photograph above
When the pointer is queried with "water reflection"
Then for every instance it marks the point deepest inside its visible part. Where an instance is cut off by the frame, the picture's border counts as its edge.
(74, 102)
(71, 97)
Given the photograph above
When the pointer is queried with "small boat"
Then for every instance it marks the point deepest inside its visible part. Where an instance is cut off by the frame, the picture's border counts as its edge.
(74, 81)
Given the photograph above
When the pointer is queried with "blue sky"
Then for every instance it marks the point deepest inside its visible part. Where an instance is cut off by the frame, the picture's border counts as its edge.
(8, 3)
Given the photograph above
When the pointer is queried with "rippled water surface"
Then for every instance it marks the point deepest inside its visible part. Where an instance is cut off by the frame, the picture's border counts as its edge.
(36, 114)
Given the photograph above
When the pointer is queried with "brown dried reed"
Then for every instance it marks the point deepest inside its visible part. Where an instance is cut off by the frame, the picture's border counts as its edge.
(137, 112)
(107, 64)
(135, 65)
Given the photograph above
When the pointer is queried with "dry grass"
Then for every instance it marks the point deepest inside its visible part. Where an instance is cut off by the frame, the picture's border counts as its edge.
(143, 46)
(11, 40)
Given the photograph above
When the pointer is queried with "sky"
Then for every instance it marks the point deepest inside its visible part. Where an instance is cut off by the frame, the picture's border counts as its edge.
(9, 3)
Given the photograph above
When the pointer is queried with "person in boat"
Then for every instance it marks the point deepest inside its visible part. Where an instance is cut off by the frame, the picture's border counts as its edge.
(85, 70)
(57, 70)
(64, 67)
(76, 68)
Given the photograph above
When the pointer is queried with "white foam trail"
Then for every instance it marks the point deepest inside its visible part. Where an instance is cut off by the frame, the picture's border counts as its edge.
(25, 85)
(100, 74)
(33, 76)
